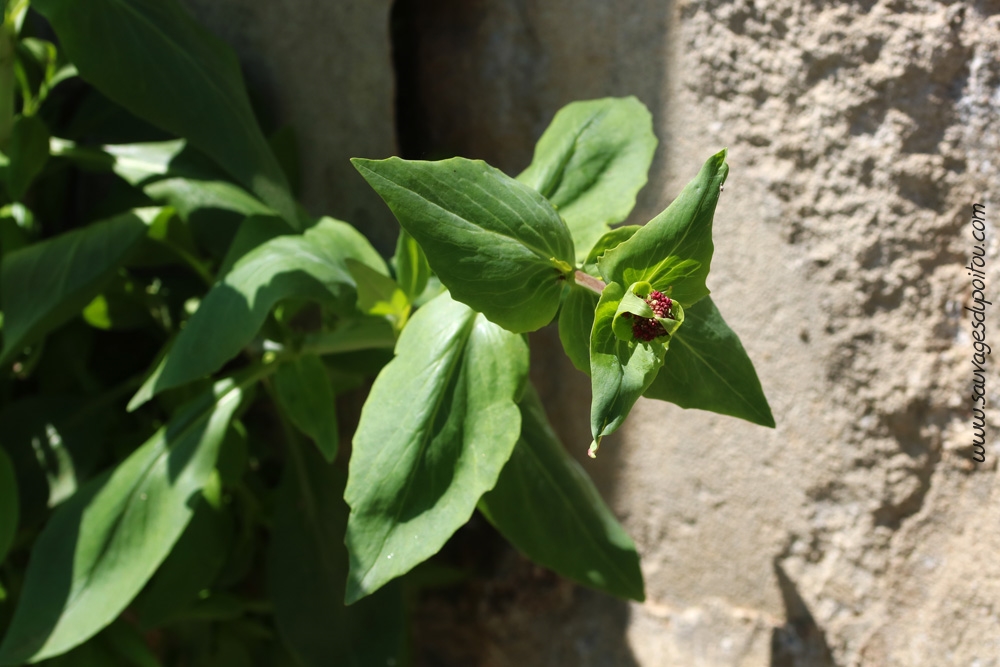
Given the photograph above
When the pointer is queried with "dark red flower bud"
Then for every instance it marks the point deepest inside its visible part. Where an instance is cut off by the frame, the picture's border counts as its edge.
(647, 329)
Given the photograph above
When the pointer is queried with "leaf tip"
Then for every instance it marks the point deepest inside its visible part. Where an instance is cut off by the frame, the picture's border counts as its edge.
(594, 446)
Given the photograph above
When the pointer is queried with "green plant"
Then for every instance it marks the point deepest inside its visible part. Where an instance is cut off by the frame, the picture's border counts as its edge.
(171, 346)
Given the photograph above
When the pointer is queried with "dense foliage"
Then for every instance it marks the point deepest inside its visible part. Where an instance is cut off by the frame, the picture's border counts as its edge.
(176, 332)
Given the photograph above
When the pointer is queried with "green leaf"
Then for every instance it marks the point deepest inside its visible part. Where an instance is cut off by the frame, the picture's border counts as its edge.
(351, 335)
(412, 269)
(545, 505)
(612, 239)
(188, 195)
(170, 172)
(310, 266)
(104, 543)
(576, 321)
(9, 505)
(438, 425)
(45, 284)
(306, 395)
(591, 162)
(378, 294)
(707, 368)
(191, 567)
(307, 568)
(253, 231)
(122, 305)
(495, 243)
(28, 151)
(153, 59)
(673, 251)
(619, 370)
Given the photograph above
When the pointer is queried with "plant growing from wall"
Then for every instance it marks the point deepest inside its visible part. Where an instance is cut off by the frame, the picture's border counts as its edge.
(176, 330)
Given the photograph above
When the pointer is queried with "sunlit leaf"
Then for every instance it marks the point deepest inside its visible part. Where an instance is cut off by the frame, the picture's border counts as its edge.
(673, 251)
(707, 368)
(496, 244)
(103, 544)
(546, 506)
(591, 162)
(438, 425)
(153, 59)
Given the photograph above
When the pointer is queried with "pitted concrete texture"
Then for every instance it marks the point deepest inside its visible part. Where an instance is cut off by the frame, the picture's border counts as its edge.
(859, 531)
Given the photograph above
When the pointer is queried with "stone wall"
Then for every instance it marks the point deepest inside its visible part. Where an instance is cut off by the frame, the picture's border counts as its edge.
(859, 531)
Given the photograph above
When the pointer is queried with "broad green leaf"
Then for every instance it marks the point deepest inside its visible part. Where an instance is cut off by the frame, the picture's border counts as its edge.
(254, 231)
(154, 60)
(545, 505)
(310, 266)
(591, 162)
(497, 244)
(191, 567)
(619, 370)
(188, 195)
(378, 294)
(612, 239)
(28, 152)
(169, 172)
(104, 543)
(9, 505)
(45, 284)
(438, 425)
(306, 395)
(576, 321)
(707, 368)
(351, 335)
(307, 570)
(673, 251)
(412, 269)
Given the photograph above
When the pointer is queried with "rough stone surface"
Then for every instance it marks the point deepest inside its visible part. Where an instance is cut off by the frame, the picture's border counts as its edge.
(859, 531)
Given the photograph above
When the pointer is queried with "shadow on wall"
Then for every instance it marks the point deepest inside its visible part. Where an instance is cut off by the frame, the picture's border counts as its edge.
(800, 642)
(482, 79)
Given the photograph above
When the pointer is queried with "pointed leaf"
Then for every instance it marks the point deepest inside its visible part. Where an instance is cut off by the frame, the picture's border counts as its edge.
(104, 543)
(253, 231)
(576, 321)
(545, 505)
(307, 568)
(152, 58)
(619, 370)
(412, 269)
(673, 251)
(497, 244)
(612, 239)
(45, 284)
(707, 368)
(378, 294)
(438, 425)
(591, 162)
(9, 505)
(306, 395)
(310, 266)
(191, 567)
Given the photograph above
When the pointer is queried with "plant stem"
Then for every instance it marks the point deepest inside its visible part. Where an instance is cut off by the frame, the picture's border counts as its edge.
(590, 282)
